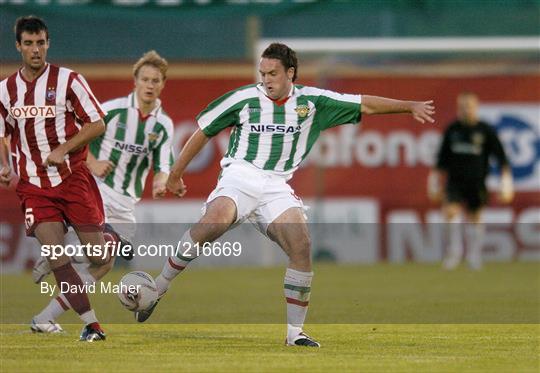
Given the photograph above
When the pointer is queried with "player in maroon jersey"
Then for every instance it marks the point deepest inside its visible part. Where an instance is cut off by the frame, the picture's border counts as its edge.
(50, 114)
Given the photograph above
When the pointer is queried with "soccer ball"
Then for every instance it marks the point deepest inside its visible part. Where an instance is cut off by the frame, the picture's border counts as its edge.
(137, 291)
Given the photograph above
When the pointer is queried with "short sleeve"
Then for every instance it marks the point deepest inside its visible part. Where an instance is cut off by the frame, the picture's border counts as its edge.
(338, 108)
(85, 104)
(221, 113)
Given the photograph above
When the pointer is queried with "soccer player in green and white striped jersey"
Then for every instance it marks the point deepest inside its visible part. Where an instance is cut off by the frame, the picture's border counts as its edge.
(274, 125)
(138, 136)
(134, 142)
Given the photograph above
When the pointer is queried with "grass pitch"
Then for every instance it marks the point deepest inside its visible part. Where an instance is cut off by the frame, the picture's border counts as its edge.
(368, 318)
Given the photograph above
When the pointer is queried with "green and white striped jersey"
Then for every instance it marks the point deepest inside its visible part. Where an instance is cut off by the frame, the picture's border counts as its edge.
(276, 137)
(133, 144)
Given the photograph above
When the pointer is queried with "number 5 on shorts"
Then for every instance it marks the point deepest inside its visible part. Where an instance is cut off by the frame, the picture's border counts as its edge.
(28, 218)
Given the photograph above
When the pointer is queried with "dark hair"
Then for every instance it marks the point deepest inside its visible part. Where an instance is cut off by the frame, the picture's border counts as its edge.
(30, 24)
(283, 53)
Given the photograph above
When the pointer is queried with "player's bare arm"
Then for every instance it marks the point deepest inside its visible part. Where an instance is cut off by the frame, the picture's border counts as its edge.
(88, 132)
(99, 168)
(159, 185)
(5, 168)
(422, 111)
(194, 145)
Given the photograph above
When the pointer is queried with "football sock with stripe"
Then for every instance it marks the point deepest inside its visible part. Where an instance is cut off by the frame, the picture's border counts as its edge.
(58, 305)
(297, 288)
(77, 299)
(174, 265)
(54, 309)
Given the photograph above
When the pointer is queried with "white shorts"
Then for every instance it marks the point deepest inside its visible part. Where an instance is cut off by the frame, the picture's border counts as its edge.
(119, 211)
(259, 195)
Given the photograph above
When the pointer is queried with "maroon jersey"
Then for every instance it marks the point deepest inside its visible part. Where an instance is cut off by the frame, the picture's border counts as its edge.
(41, 114)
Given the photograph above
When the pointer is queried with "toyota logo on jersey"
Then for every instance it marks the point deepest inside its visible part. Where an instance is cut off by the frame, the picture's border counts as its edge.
(32, 111)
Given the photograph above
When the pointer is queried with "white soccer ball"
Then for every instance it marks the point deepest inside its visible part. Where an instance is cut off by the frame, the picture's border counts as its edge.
(138, 291)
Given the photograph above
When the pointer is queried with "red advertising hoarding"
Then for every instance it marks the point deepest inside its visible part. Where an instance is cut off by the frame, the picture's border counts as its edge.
(387, 158)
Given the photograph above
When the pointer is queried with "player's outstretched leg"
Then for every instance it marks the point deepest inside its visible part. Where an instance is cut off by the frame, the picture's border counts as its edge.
(174, 265)
(89, 274)
(297, 288)
(52, 233)
(290, 231)
(220, 214)
(79, 301)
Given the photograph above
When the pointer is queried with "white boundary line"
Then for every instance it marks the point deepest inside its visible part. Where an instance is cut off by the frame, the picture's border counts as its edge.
(402, 45)
(389, 45)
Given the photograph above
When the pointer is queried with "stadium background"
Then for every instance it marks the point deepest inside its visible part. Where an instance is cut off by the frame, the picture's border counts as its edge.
(374, 177)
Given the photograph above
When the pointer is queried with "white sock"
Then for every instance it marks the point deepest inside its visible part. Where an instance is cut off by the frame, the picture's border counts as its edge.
(455, 242)
(475, 240)
(88, 317)
(297, 288)
(174, 265)
(54, 309)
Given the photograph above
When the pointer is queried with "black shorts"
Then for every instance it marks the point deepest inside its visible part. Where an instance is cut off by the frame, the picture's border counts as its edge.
(473, 195)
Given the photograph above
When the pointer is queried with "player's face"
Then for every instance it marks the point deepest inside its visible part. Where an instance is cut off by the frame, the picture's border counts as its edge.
(276, 80)
(148, 84)
(33, 48)
(468, 109)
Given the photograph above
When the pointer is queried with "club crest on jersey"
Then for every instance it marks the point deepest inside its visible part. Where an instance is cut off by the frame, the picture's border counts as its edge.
(152, 136)
(302, 111)
(51, 94)
(478, 139)
(32, 111)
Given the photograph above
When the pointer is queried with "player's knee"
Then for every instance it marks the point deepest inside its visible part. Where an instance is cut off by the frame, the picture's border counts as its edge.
(206, 231)
(222, 210)
(213, 224)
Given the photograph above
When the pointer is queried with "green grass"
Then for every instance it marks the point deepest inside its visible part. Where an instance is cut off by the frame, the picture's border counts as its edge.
(368, 318)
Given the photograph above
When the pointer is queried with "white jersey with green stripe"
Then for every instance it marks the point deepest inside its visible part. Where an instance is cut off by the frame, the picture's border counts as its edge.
(276, 137)
(133, 143)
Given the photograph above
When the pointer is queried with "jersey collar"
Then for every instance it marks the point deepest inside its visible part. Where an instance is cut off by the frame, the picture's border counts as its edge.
(37, 77)
(281, 102)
